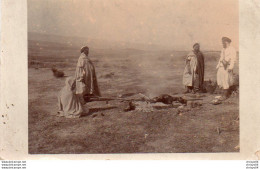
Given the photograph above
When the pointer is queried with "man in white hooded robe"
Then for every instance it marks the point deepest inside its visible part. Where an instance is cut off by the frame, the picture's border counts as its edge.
(225, 67)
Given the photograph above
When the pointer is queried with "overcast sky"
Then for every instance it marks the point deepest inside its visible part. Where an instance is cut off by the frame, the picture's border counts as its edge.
(173, 23)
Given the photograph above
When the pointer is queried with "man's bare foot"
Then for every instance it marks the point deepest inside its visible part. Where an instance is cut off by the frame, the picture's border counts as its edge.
(59, 114)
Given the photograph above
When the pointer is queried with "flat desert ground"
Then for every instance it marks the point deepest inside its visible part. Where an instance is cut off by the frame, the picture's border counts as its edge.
(108, 129)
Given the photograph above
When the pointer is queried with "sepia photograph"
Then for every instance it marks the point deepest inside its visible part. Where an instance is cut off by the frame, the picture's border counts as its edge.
(133, 76)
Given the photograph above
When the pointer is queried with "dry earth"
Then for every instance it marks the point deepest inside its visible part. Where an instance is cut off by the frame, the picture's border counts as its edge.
(108, 129)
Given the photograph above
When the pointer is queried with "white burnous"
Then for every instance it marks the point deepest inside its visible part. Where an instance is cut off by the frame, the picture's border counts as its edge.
(225, 66)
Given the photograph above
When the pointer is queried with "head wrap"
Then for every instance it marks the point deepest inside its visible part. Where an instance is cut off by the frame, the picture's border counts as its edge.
(83, 49)
(226, 39)
(196, 44)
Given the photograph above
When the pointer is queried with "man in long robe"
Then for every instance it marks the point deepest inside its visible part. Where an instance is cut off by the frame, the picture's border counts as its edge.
(190, 76)
(225, 67)
(86, 80)
(200, 65)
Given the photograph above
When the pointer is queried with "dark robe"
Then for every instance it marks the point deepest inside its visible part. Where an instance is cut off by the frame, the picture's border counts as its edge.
(200, 69)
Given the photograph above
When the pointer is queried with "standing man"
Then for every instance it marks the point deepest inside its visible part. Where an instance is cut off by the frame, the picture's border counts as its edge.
(225, 67)
(190, 74)
(86, 80)
(200, 66)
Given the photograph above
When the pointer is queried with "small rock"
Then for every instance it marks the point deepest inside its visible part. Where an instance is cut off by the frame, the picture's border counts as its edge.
(180, 107)
(237, 118)
(131, 106)
(145, 135)
(215, 102)
(217, 97)
(237, 147)
(94, 115)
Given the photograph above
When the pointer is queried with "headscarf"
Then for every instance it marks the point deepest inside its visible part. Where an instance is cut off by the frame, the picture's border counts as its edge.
(83, 49)
(226, 39)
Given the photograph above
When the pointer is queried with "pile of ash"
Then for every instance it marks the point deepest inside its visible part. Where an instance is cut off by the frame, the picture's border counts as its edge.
(143, 106)
(140, 102)
(148, 106)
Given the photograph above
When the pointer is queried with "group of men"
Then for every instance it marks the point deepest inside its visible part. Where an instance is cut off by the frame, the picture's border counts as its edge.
(193, 76)
(84, 84)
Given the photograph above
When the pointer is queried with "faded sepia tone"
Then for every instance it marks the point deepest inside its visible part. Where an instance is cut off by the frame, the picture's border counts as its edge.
(168, 24)
(155, 131)
(138, 49)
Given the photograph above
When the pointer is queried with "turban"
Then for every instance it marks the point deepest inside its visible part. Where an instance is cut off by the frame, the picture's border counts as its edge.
(83, 49)
(226, 39)
(196, 44)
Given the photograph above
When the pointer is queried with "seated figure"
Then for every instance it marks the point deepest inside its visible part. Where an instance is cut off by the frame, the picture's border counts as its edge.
(68, 102)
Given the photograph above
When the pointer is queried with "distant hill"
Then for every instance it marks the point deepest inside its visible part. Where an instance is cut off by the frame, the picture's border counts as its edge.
(92, 43)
